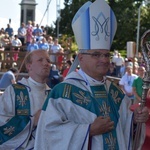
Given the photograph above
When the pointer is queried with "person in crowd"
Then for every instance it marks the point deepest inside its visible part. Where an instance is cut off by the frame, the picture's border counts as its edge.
(54, 76)
(50, 42)
(29, 34)
(38, 30)
(112, 70)
(21, 104)
(60, 59)
(127, 81)
(9, 30)
(3, 30)
(119, 62)
(38, 37)
(86, 111)
(33, 26)
(8, 64)
(16, 43)
(137, 84)
(8, 78)
(33, 45)
(22, 33)
(68, 65)
(1, 36)
(55, 48)
(6, 41)
(44, 45)
(44, 31)
(135, 66)
(115, 55)
(123, 67)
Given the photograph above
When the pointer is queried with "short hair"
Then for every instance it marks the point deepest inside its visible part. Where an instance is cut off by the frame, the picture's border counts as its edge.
(14, 70)
(69, 62)
(28, 58)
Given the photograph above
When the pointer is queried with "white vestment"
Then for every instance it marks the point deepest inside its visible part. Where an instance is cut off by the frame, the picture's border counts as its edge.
(64, 122)
(37, 95)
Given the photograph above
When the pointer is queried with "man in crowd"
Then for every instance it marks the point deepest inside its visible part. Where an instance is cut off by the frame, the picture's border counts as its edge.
(8, 78)
(127, 81)
(21, 104)
(86, 111)
(137, 84)
(9, 30)
(22, 33)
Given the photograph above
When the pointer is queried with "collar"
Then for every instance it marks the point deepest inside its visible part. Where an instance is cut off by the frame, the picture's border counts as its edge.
(91, 81)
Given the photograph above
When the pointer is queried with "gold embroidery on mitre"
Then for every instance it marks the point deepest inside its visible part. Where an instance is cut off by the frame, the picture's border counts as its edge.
(111, 142)
(115, 96)
(67, 91)
(81, 98)
(104, 109)
(9, 131)
(22, 99)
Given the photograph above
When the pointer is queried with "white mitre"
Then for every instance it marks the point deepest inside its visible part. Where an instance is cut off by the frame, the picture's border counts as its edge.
(94, 26)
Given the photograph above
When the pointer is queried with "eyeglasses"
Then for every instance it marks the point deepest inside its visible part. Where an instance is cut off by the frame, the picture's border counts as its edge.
(98, 55)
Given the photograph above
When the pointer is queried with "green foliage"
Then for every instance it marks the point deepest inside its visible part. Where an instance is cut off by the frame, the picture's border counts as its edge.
(126, 12)
(123, 53)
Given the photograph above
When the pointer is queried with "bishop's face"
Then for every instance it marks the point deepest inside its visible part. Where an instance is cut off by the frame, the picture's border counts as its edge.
(95, 63)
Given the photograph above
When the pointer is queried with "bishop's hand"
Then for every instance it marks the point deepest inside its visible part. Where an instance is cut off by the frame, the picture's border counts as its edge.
(101, 125)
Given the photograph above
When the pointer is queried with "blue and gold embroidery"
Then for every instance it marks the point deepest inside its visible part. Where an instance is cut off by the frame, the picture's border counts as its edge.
(22, 99)
(111, 142)
(104, 109)
(9, 130)
(22, 115)
(81, 98)
(67, 90)
(115, 96)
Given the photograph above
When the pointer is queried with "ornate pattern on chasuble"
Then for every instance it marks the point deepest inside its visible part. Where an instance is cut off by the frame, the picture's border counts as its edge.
(22, 114)
(100, 102)
(22, 100)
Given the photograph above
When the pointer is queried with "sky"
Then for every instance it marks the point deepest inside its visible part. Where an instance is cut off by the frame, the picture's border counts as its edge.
(10, 9)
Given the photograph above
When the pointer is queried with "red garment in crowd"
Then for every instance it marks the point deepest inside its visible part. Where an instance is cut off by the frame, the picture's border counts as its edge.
(60, 60)
(65, 72)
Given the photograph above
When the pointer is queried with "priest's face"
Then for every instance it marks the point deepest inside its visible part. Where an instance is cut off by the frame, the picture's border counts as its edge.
(95, 63)
(39, 68)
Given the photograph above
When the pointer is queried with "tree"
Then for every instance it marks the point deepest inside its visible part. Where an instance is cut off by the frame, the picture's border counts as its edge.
(126, 12)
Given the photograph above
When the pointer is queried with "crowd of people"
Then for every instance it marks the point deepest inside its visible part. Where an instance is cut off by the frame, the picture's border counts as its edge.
(84, 110)
(32, 37)
(131, 72)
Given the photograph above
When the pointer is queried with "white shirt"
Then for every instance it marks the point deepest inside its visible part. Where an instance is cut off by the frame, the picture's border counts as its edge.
(127, 81)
